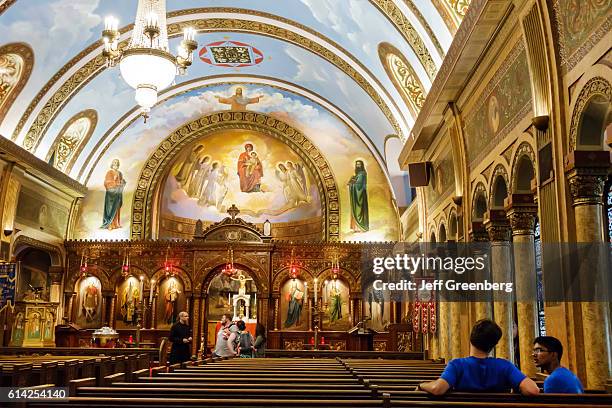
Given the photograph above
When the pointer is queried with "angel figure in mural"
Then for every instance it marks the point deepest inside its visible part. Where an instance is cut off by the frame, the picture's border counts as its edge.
(171, 297)
(185, 172)
(238, 101)
(294, 183)
(201, 170)
(242, 280)
(215, 191)
(358, 193)
(335, 308)
(131, 294)
(295, 297)
(90, 301)
(114, 184)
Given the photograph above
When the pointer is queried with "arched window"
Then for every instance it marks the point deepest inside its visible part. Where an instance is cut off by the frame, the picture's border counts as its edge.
(73, 136)
(16, 62)
(403, 77)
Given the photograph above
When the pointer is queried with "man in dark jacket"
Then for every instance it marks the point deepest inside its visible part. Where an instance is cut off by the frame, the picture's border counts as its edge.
(180, 337)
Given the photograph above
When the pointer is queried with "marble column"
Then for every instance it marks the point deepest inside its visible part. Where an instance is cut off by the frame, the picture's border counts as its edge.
(498, 228)
(70, 304)
(587, 172)
(522, 211)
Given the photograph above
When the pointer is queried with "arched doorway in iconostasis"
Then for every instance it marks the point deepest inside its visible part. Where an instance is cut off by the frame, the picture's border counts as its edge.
(233, 292)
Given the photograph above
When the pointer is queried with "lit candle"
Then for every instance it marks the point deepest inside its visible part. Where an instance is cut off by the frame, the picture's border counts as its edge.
(255, 301)
(228, 298)
(152, 20)
(151, 291)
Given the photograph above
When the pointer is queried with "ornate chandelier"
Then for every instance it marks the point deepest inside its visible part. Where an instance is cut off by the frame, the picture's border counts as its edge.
(146, 63)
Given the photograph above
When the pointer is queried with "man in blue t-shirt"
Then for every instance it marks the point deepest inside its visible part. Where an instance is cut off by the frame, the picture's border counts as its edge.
(547, 353)
(479, 372)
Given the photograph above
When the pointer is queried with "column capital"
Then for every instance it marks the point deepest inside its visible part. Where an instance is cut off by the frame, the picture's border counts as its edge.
(56, 273)
(587, 172)
(478, 232)
(521, 211)
(497, 226)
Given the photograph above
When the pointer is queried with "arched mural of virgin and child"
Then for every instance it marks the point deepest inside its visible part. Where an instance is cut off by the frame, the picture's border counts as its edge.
(266, 178)
(261, 175)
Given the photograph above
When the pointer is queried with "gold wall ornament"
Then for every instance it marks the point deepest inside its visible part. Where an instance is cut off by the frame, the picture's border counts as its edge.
(155, 167)
(410, 34)
(16, 63)
(403, 77)
(71, 139)
(56, 102)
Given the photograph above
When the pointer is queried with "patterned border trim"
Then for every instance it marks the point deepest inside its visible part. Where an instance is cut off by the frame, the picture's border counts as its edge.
(403, 25)
(524, 149)
(25, 52)
(386, 49)
(93, 67)
(410, 4)
(500, 170)
(568, 62)
(6, 4)
(153, 171)
(492, 84)
(595, 86)
(90, 114)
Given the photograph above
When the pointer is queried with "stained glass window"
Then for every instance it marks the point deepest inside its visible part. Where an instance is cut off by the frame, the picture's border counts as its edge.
(608, 193)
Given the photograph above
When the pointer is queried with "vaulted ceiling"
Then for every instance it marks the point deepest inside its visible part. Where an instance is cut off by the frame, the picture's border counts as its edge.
(369, 63)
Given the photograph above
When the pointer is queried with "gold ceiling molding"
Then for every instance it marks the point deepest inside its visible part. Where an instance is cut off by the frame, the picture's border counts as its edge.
(4, 5)
(196, 84)
(403, 77)
(70, 141)
(16, 63)
(410, 4)
(156, 165)
(410, 34)
(446, 14)
(96, 65)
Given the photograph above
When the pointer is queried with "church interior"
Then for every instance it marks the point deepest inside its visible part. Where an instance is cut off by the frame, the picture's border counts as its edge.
(181, 181)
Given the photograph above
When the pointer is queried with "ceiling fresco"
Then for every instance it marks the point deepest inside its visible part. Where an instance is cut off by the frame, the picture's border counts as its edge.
(320, 54)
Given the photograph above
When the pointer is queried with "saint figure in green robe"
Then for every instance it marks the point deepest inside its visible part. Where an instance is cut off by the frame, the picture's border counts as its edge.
(335, 308)
(358, 193)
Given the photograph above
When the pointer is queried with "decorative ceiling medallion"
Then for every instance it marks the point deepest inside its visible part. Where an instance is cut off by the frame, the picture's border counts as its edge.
(231, 54)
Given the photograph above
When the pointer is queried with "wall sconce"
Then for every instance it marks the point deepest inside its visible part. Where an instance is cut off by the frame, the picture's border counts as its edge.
(267, 228)
(541, 122)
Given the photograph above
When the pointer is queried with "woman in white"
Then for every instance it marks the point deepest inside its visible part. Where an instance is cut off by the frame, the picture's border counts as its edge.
(297, 183)
(199, 179)
(209, 195)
